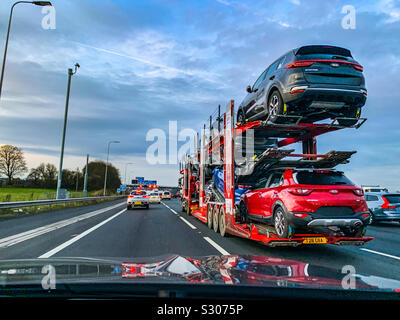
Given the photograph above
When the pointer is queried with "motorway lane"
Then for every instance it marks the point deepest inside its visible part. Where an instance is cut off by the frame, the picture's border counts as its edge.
(387, 240)
(133, 233)
(160, 231)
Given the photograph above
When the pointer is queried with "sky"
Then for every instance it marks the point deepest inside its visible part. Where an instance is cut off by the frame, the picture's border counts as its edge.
(145, 63)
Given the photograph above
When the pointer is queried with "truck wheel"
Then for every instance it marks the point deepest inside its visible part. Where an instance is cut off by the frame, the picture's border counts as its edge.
(183, 209)
(210, 216)
(128, 208)
(215, 218)
(222, 222)
(280, 223)
(187, 209)
(147, 206)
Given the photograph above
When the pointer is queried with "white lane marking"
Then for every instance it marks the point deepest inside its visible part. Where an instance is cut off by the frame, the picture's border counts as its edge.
(188, 223)
(173, 211)
(17, 238)
(183, 219)
(381, 253)
(216, 246)
(71, 241)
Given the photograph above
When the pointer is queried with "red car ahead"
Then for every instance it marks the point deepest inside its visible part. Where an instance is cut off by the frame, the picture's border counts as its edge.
(306, 200)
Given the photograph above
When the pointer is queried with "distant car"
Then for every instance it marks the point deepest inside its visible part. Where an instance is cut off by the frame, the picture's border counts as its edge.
(316, 82)
(166, 195)
(304, 200)
(137, 198)
(374, 189)
(384, 206)
(155, 197)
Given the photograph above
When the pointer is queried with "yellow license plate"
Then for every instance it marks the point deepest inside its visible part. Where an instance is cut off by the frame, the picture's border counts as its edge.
(315, 240)
(137, 202)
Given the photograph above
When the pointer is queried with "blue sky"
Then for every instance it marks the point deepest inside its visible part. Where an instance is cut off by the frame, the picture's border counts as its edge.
(144, 63)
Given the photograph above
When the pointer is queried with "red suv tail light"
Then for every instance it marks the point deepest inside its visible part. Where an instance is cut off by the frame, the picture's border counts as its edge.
(386, 204)
(307, 63)
(299, 64)
(300, 191)
(358, 192)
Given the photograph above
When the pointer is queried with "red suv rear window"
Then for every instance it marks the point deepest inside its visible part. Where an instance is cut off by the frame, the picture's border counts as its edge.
(321, 178)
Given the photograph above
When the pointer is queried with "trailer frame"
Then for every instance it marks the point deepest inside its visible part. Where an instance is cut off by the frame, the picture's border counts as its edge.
(222, 216)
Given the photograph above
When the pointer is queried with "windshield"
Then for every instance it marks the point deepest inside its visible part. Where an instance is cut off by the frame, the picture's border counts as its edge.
(212, 143)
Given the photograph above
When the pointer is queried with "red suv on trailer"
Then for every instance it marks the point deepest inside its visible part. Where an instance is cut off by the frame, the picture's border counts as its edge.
(306, 200)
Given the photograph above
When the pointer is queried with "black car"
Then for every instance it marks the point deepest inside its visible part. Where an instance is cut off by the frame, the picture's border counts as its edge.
(312, 82)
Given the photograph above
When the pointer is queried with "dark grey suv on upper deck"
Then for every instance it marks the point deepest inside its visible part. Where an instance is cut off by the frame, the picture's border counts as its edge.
(384, 206)
(316, 82)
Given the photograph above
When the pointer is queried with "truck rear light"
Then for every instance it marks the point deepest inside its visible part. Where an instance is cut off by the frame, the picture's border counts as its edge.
(386, 204)
(300, 215)
(365, 215)
(130, 197)
(300, 63)
(300, 191)
(358, 192)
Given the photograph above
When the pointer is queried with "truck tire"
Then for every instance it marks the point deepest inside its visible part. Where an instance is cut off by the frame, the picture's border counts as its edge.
(210, 216)
(215, 218)
(183, 209)
(188, 209)
(222, 222)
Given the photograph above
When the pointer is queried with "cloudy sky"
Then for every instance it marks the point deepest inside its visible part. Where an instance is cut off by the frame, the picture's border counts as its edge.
(145, 63)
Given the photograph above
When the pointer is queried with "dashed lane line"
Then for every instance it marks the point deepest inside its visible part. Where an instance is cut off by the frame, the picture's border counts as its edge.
(83, 234)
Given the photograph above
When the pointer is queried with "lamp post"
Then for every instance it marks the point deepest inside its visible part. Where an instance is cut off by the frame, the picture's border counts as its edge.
(37, 3)
(70, 74)
(126, 166)
(86, 177)
(105, 174)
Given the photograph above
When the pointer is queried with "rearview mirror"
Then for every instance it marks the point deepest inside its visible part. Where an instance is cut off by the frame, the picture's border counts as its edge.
(248, 89)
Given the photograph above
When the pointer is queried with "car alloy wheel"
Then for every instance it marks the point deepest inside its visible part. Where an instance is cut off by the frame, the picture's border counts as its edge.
(280, 223)
(241, 118)
(273, 105)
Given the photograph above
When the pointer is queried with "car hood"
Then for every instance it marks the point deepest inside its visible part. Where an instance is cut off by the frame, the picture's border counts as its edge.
(230, 270)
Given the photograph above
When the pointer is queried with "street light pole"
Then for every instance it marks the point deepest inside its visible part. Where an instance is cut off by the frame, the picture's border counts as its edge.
(70, 74)
(105, 174)
(126, 166)
(38, 3)
(86, 177)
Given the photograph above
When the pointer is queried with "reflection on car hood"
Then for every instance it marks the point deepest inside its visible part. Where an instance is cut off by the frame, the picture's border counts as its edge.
(233, 270)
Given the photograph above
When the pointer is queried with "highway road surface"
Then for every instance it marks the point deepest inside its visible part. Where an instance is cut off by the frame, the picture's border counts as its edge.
(108, 230)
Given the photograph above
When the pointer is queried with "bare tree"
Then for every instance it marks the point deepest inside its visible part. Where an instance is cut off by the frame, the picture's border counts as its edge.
(12, 161)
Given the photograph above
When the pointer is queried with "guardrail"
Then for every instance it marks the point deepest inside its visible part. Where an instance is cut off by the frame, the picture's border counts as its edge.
(34, 203)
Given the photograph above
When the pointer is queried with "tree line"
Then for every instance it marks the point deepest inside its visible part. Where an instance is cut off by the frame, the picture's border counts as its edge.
(13, 165)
